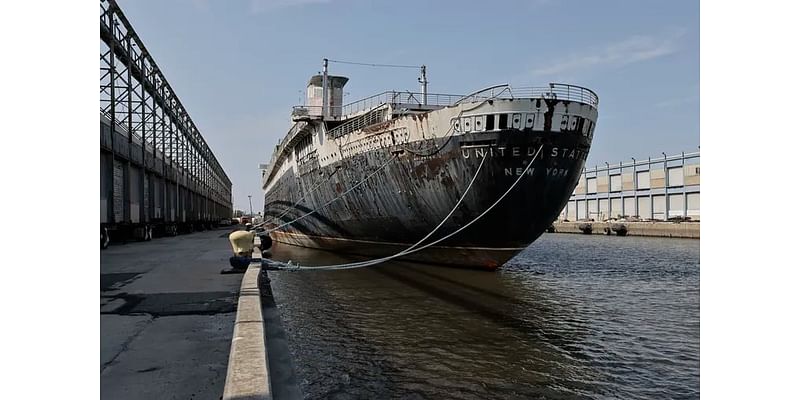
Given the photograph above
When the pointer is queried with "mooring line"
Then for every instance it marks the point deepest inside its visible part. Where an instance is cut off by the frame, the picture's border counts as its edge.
(449, 135)
(335, 198)
(449, 132)
(413, 248)
(317, 186)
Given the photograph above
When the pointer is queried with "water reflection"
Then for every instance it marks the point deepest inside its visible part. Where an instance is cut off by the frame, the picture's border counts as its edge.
(570, 317)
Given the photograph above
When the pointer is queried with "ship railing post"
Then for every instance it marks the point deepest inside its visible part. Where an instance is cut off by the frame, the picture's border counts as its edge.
(324, 89)
(424, 81)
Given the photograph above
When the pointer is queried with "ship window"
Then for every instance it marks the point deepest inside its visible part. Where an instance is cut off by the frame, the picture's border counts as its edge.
(490, 122)
(516, 121)
(503, 123)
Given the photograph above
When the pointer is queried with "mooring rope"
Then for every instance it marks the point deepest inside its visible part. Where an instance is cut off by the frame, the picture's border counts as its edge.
(449, 135)
(313, 189)
(335, 198)
(413, 248)
(449, 132)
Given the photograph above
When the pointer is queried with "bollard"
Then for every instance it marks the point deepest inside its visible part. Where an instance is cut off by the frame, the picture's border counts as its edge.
(266, 241)
(242, 244)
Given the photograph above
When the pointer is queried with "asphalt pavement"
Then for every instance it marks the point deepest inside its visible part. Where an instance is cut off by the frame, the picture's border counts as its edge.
(167, 317)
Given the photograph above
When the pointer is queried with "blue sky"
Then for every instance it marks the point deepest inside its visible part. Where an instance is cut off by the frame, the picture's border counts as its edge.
(239, 65)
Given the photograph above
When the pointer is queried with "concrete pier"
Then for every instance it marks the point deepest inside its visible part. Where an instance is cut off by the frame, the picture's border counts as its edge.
(654, 229)
(167, 317)
(248, 371)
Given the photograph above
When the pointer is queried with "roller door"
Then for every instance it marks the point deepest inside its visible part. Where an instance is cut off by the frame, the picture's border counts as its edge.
(135, 184)
(676, 205)
(616, 208)
(582, 209)
(643, 179)
(629, 206)
(693, 205)
(644, 208)
(146, 197)
(616, 183)
(591, 209)
(119, 191)
(602, 213)
(659, 207)
(106, 179)
(675, 176)
(158, 197)
(591, 185)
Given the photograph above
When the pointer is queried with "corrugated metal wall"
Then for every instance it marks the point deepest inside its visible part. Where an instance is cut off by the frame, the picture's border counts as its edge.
(119, 191)
(135, 185)
(105, 184)
(138, 194)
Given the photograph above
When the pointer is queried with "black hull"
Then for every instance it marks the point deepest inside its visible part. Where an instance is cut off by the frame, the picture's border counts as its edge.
(405, 200)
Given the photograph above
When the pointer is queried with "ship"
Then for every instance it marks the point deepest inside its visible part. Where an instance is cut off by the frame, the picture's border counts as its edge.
(488, 171)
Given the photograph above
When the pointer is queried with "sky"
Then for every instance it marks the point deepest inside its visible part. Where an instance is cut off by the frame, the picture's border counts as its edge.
(238, 66)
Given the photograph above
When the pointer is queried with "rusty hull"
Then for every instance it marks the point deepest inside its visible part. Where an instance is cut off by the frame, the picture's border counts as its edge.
(412, 194)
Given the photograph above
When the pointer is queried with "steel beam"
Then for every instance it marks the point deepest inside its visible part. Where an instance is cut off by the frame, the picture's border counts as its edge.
(133, 88)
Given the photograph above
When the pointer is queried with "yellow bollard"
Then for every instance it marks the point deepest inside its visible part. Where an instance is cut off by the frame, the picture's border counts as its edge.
(242, 243)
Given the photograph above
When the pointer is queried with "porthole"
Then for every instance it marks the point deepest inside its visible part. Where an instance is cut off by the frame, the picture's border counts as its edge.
(529, 121)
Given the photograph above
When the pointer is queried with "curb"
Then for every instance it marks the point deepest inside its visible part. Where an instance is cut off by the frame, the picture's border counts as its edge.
(248, 371)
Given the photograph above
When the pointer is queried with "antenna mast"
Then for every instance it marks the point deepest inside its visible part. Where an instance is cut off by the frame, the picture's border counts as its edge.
(424, 81)
(324, 89)
(423, 78)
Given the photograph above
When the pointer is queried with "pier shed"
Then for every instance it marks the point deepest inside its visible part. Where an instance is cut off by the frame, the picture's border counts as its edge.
(657, 188)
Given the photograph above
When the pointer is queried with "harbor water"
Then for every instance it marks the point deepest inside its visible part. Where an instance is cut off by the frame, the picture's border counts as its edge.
(571, 317)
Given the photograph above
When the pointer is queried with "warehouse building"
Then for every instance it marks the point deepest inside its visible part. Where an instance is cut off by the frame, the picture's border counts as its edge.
(652, 189)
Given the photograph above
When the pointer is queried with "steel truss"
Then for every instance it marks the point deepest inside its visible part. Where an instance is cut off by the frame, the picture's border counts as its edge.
(139, 103)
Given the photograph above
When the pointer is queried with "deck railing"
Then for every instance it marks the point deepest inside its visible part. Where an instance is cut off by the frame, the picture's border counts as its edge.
(389, 97)
(553, 91)
(369, 118)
